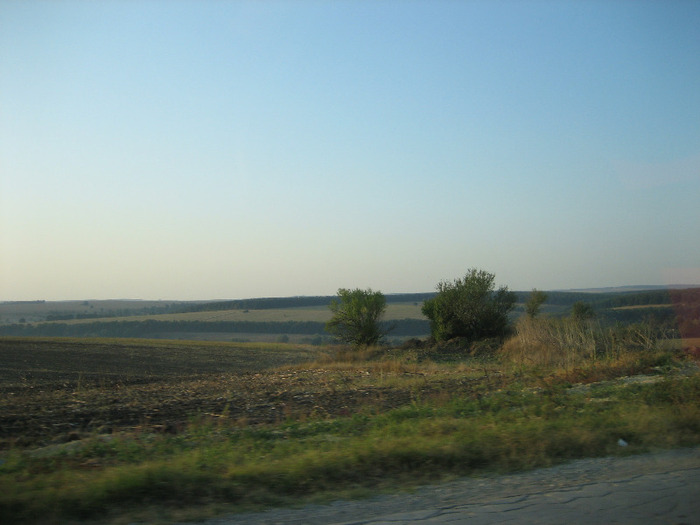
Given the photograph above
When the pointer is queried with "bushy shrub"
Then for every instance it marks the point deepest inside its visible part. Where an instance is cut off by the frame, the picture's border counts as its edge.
(469, 308)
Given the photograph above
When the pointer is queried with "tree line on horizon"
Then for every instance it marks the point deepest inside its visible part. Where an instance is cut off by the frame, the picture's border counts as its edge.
(557, 298)
(684, 314)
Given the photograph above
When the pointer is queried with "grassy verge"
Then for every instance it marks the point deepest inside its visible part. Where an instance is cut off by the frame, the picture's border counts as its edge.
(524, 420)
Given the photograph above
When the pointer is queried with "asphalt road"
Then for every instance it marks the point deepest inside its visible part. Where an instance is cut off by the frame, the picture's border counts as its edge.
(657, 488)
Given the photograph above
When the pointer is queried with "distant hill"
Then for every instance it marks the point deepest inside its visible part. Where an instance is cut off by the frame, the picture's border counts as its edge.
(302, 318)
(633, 288)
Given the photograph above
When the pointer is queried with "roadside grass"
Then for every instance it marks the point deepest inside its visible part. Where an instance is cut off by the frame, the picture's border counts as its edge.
(516, 417)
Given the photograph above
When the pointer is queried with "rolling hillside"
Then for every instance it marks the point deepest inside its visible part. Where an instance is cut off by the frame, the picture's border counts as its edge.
(302, 319)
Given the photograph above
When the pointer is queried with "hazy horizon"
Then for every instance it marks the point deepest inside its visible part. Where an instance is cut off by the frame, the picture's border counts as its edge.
(237, 149)
(612, 289)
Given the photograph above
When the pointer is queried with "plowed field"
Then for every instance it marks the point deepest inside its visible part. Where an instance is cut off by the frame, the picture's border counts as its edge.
(55, 390)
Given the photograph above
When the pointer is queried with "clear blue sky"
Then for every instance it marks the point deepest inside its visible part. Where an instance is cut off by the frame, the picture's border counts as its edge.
(230, 149)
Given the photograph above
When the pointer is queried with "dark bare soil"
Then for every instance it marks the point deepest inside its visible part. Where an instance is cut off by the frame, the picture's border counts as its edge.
(55, 391)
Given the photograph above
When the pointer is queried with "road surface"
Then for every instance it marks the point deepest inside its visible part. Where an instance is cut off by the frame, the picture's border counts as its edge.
(657, 488)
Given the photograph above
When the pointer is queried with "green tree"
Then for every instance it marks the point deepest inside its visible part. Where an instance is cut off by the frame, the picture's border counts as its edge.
(356, 317)
(581, 311)
(470, 308)
(534, 303)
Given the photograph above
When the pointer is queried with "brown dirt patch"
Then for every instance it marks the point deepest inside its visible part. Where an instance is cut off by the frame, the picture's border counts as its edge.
(55, 392)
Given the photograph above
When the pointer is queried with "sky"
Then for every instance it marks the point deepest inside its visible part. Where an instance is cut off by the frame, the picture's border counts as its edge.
(215, 149)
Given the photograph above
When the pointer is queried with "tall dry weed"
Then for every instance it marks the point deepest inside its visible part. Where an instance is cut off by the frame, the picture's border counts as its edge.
(567, 342)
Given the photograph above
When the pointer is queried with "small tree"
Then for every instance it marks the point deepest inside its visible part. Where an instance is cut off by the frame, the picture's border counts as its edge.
(356, 317)
(469, 308)
(581, 311)
(534, 303)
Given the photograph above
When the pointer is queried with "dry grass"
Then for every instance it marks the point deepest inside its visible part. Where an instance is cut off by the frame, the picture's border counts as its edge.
(568, 343)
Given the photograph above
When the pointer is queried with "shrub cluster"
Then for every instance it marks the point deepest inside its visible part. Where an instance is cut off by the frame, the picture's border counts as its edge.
(469, 308)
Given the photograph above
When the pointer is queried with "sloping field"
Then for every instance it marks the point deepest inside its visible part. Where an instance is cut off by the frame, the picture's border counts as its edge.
(47, 363)
(34, 311)
(643, 306)
(52, 387)
(314, 313)
(59, 389)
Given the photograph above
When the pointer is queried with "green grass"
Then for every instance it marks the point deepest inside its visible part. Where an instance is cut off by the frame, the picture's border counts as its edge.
(526, 422)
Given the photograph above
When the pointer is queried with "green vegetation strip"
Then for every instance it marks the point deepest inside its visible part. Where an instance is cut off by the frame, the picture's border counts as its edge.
(512, 429)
